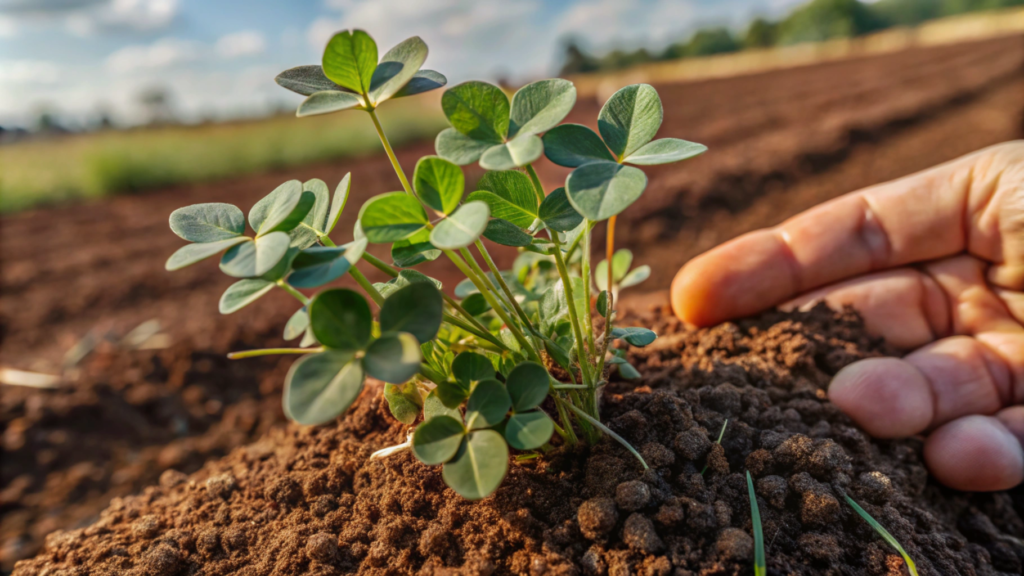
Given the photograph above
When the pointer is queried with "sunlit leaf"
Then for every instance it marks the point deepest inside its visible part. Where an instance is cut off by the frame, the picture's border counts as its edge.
(328, 101)
(403, 401)
(255, 258)
(574, 145)
(478, 466)
(636, 276)
(478, 110)
(211, 222)
(630, 119)
(600, 190)
(319, 387)
(397, 68)
(305, 234)
(557, 212)
(192, 253)
(529, 430)
(635, 336)
(341, 319)
(457, 147)
(487, 405)
(242, 293)
(350, 59)
(391, 217)
(338, 203)
(416, 309)
(296, 325)
(506, 233)
(469, 367)
(519, 151)
(510, 196)
(528, 386)
(438, 183)
(394, 357)
(541, 105)
(461, 228)
(437, 440)
(665, 150)
(282, 209)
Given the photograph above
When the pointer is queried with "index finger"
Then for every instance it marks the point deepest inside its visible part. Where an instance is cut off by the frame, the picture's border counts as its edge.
(931, 214)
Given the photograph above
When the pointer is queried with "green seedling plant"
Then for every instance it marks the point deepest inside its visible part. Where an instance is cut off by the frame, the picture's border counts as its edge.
(911, 567)
(506, 360)
(760, 566)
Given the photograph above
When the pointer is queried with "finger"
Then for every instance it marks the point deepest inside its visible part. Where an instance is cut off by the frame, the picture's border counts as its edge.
(975, 453)
(904, 306)
(917, 218)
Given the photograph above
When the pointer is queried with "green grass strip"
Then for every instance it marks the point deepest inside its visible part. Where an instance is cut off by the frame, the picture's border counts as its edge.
(884, 534)
(760, 567)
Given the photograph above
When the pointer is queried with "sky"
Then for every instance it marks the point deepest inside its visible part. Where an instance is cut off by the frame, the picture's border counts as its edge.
(218, 58)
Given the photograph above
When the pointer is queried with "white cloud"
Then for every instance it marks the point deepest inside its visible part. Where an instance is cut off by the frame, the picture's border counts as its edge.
(8, 27)
(240, 44)
(163, 53)
(29, 72)
(114, 15)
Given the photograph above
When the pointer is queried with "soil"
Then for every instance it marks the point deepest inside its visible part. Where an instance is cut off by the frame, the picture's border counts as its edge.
(781, 142)
(309, 501)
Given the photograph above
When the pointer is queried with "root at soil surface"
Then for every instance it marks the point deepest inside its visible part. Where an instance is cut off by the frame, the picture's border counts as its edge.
(309, 501)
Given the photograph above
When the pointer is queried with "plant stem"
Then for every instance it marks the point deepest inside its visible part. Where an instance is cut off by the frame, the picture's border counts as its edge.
(326, 241)
(563, 415)
(585, 272)
(563, 272)
(482, 334)
(608, 431)
(576, 243)
(609, 253)
(298, 295)
(537, 187)
(483, 276)
(272, 351)
(504, 286)
(391, 153)
(561, 386)
(366, 286)
(380, 265)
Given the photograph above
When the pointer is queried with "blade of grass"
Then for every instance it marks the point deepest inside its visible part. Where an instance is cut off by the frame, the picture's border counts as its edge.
(608, 431)
(883, 533)
(719, 441)
(760, 567)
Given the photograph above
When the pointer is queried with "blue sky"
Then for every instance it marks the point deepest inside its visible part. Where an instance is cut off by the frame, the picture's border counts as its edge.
(218, 57)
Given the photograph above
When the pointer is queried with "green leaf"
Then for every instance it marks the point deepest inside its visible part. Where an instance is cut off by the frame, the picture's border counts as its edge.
(510, 196)
(630, 119)
(487, 405)
(602, 302)
(760, 569)
(416, 309)
(422, 81)
(308, 338)
(404, 278)
(459, 148)
(306, 233)
(327, 102)
(634, 336)
(469, 367)
(338, 203)
(393, 358)
(297, 324)
(479, 465)
(396, 68)
(557, 213)
(506, 233)
(283, 266)
(414, 250)
(621, 261)
(320, 265)
(665, 150)
(434, 407)
(242, 293)
(541, 105)
(191, 253)
(554, 303)
(438, 183)
(627, 371)
(478, 110)
(208, 222)
(528, 386)
(529, 430)
(403, 401)
(600, 190)
(321, 386)
(452, 394)
(391, 217)
(251, 259)
(341, 319)
(475, 304)
(636, 276)
(559, 354)
(911, 566)
(461, 228)
(574, 145)
(519, 151)
(350, 59)
(282, 209)
(437, 440)
(306, 80)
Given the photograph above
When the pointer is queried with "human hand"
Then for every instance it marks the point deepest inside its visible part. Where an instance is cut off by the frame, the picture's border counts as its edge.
(934, 262)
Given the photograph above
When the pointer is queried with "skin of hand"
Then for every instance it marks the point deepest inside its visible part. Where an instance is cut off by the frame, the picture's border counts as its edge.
(934, 262)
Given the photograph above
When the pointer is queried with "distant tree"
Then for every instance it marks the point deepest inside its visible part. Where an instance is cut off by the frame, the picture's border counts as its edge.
(709, 41)
(576, 61)
(619, 59)
(761, 34)
(156, 104)
(826, 19)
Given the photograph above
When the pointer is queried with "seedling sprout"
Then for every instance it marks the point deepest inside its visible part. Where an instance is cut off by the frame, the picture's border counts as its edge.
(883, 533)
(760, 567)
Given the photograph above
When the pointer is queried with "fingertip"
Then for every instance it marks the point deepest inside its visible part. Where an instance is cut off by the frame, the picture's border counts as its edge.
(975, 453)
(691, 298)
(887, 397)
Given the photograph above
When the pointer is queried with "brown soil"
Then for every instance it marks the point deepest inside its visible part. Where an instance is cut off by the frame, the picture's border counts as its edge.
(308, 501)
(781, 142)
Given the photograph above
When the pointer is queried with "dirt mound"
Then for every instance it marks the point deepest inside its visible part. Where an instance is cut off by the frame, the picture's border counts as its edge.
(308, 501)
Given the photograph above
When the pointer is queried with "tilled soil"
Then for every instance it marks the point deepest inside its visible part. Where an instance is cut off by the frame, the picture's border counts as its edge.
(780, 143)
(309, 501)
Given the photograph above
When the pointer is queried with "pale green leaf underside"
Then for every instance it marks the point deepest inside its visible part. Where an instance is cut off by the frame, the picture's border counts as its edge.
(306, 233)
(636, 276)
(192, 253)
(461, 228)
(422, 81)
(328, 101)
(397, 68)
(519, 151)
(665, 150)
(255, 258)
(630, 119)
(457, 147)
(319, 265)
(479, 466)
(207, 222)
(540, 106)
(306, 80)
(296, 325)
(242, 293)
(319, 387)
(338, 202)
(600, 190)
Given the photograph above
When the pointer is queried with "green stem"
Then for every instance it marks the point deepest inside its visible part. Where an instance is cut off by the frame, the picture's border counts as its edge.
(537, 187)
(581, 350)
(609, 253)
(391, 153)
(483, 275)
(576, 243)
(504, 286)
(569, 386)
(380, 265)
(326, 241)
(608, 431)
(298, 295)
(563, 415)
(272, 351)
(366, 286)
(482, 334)
(587, 320)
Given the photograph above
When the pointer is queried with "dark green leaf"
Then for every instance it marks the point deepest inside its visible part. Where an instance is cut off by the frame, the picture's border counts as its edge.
(417, 309)
(394, 357)
(242, 293)
(461, 228)
(602, 303)
(250, 259)
(437, 440)
(541, 105)
(519, 151)
(469, 367)
(296, 325)
(321, 386)
(211, 222)
(391, 217)
(478, 110)
(510, 196)
(479, 466)
(574, 145)
(665, 150)
(350, 59)
(528, 386)
(557, 213)
(452, 394)
(438, 183)
(340, 319)
(327, 102)
(487, 405)
(434, 407)
(422, 81)
(397, 68)
(405, 278)
(634, 336)
(529, 430)
(506, 233)
(306, 80)
(630, 119)
(320, 265)
(475, 304)
(627, 371)
(338, 202)
(192, 253)
(414, 250)
(554, 305)
(403, 401)
(459, 148)
(600, 190)
(558, 353)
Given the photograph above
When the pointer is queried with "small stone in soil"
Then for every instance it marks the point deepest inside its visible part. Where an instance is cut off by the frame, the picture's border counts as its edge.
(735, 544)
(632, 495)
(220, 486)
(670, 513)
(171, 478)
(875, 486)
(638, 533)
(322, 547)
(147, 526)
(774, 489)
(597, 517)
(692, 444)
(161, 560)
(819, 508)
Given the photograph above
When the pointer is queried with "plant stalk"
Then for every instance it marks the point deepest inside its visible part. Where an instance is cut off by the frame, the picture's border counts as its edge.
(581, 350)
(298, 295)
(504, 286)
(272, 352)
(609, 253)
(366, 286)
(537, 187)
(391, 153)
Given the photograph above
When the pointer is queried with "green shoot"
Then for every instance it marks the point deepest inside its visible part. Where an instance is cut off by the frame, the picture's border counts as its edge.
(721, 434)
(760, 568)
(883, 533)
